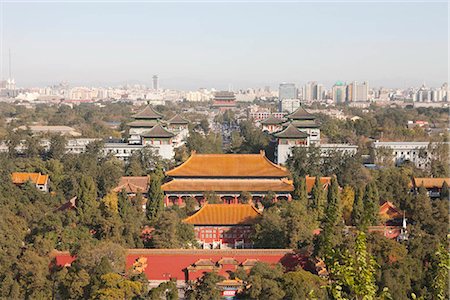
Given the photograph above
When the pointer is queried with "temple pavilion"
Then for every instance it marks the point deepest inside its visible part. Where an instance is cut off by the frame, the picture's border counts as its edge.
(143, 122)
(297, 129)
(227, 175)
(220, 226)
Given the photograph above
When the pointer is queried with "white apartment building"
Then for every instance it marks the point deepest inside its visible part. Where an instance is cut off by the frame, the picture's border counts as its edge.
(415, 152)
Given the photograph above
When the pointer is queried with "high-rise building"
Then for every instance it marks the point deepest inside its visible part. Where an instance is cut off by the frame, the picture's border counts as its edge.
(339, 92)
(155, 82)
(312, 91)
(360, 91)
(287, 91)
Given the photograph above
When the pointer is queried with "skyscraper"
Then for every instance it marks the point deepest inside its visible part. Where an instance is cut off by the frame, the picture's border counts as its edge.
(287, 91)
(360, 91)
(155, 82)
(339, 92)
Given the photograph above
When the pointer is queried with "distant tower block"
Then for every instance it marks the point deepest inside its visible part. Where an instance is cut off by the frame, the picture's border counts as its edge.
(155, 82)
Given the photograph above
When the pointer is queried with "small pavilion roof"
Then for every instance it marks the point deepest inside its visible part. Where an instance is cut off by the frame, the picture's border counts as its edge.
(158, 132)
(177, 119)
(301, 114)
(325, 181)
(133, 184)
(291, 132)
(228, 165)
(272, 121)
(36, 178)
(143, 123)
(224, 214)
(148, 113)
(303, 123)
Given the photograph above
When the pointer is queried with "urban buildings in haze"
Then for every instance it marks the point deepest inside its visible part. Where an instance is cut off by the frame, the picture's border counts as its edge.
(287, 91)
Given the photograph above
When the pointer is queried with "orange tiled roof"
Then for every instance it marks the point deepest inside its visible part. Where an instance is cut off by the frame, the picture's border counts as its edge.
(224, 214)
(132, 184)
(36, 178)
(228, 165)
(228, 185)
(429, 182)
(325, 181)
(389, 211)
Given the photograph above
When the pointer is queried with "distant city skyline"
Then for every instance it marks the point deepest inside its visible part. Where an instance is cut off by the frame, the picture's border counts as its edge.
(193, 45)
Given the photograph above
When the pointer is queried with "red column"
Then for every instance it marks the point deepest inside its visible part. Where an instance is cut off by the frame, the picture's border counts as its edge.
(289, 197)
(180, 201)
(275, 199)
(236, 200)
(166, 201)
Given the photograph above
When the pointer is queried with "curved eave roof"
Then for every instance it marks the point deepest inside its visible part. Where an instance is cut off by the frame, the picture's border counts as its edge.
(272, 121)
(291, 132)
(224, 214)
(177, 119)
(301, 114)
(158, 132)
(228, 165)
(148, 113)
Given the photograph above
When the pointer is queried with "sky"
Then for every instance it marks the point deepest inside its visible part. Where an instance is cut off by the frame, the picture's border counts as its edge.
(225, 44)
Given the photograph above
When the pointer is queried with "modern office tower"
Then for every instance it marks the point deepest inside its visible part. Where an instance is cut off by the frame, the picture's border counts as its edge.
(319, 92)
(155, 82)
(312, 91)
(339, 92)
(287, 91)
(361, 91)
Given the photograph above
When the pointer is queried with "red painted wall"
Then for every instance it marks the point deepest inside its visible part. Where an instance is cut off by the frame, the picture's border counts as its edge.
(166, 264)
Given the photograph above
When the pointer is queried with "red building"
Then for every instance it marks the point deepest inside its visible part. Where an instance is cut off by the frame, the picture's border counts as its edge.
(184, 265)
(220, 226)
(224, 100)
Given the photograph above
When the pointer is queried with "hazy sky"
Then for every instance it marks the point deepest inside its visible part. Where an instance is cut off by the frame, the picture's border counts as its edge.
(192, 45)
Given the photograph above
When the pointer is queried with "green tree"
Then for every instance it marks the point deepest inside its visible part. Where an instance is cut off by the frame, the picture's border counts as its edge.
(87, 200)
(444, 191)
(115, 286)
(155, 204)
(265, 282)
(245, 197)
(206, 287)
(300, 192)
(371, 205)
(317, 202)
(347, 200)
(358, 208)
(303, 285)
(352, 275)
(57, 146)
(332, 224)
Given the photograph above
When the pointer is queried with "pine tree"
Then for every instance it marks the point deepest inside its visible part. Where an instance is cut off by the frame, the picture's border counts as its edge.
(331, 226)
(87, 200)
(347, 199)
(123, 204)
(358, 208)
(300, 192)
(444, 191)
(423, 211)
(155, 204)
(317, 199)
(371, 205)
